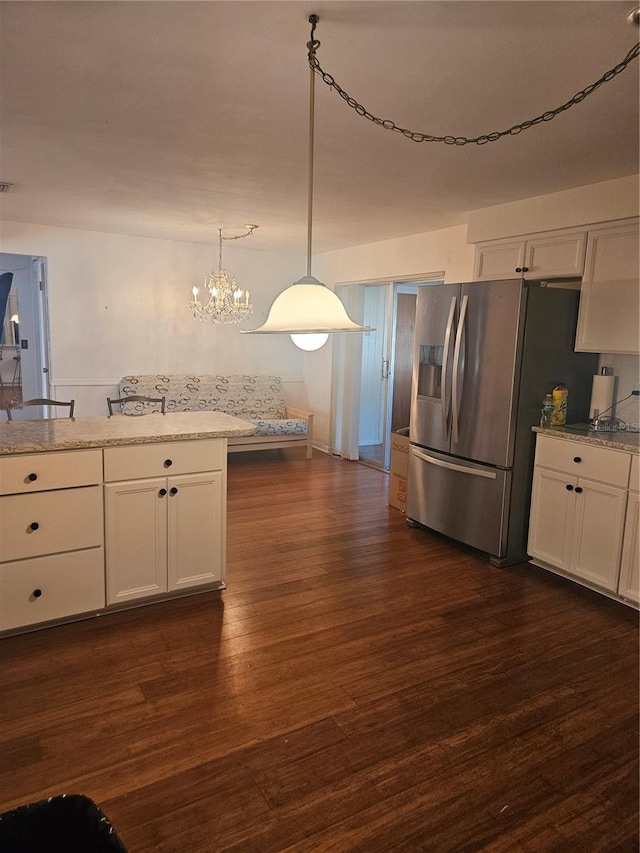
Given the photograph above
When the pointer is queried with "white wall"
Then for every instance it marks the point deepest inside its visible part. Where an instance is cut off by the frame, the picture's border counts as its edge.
(601, 202)
(119, 305)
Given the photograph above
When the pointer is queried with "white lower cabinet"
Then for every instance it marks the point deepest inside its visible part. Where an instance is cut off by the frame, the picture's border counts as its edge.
(630, 564)
(597, 533)
(577, 524)
(152, 515)
(163, 534)
(51, 537)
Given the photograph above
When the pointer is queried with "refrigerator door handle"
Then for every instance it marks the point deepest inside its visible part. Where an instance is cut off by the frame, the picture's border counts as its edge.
(475, 472)
(445, 383)
(457, 382)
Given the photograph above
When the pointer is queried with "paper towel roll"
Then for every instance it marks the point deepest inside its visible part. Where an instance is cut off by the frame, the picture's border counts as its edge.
(602, 395)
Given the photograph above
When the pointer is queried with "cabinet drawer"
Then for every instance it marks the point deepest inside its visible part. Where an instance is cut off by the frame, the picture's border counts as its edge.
(153, 460)
(37, 472)
(584, 460)
(67, 584)
(67, 520)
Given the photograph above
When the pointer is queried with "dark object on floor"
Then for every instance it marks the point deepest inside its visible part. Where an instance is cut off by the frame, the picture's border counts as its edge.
(71, 823)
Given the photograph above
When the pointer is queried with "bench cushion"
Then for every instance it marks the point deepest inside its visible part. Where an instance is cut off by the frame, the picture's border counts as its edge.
(285, 426)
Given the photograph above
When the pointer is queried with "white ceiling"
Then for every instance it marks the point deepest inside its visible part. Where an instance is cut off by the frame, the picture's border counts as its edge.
(172, 119)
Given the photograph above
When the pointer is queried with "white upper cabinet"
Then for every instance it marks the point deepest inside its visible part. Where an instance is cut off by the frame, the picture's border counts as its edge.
(558, 254)
(608, 320)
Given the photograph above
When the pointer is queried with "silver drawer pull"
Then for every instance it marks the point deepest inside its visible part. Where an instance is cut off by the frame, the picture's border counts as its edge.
(475, 472)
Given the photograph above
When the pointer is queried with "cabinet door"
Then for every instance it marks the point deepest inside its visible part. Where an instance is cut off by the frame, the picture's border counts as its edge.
(195, 530)
(498, 260)
(556, 255)
(629, 586)
(552, 515)
(597, 541)
(609, 299)
(136, 539)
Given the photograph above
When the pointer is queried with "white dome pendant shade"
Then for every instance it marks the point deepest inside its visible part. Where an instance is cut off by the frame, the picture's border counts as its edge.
(308, 310)
(307, 307)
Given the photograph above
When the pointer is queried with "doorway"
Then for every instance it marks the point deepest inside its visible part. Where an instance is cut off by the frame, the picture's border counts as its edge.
(24, 331)
(371, 390)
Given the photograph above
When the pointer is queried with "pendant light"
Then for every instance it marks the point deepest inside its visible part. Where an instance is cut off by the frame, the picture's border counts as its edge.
(308, 310)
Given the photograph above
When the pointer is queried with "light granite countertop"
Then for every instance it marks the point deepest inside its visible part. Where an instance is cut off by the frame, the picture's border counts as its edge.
(618, 440)
(23, 436)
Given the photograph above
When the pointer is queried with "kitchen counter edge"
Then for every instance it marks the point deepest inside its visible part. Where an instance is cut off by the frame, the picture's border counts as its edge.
(619, 440)
(82, 433)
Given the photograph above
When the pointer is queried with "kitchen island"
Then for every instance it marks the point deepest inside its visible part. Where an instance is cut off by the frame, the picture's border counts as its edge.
(98, 514)
(585, 508)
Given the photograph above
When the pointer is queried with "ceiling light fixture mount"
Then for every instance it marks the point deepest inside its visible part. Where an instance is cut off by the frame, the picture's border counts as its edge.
(226, 303)
(308, 310)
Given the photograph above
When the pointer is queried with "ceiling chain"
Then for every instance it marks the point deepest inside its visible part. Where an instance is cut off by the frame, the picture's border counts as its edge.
(313, 44)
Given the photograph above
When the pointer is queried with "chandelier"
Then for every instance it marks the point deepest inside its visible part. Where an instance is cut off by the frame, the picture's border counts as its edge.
(225, 302)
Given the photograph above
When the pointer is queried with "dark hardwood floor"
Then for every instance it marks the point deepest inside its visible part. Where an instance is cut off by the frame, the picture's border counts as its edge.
(360, 686)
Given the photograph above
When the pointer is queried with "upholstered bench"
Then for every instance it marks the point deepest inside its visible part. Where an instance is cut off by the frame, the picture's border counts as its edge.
(259, 399)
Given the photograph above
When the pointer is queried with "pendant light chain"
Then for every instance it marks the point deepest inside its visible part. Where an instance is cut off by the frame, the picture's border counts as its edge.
(313, 44)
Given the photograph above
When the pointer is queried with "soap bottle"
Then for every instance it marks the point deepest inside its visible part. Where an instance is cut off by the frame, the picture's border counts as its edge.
(547, 411)
(559, 396)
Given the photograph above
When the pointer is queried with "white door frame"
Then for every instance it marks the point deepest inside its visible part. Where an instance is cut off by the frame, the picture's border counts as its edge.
(347, 360)
(30, 281)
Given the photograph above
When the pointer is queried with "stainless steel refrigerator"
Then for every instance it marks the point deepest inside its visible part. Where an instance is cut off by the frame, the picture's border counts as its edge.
(485, 355)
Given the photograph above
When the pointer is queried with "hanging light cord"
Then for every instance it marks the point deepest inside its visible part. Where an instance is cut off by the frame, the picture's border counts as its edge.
(311, 45)
(387, 124)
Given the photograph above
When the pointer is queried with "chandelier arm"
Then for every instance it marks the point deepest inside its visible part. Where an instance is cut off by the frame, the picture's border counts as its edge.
(416, 136)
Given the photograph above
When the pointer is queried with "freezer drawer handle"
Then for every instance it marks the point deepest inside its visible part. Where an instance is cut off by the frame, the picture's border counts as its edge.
(475, 472)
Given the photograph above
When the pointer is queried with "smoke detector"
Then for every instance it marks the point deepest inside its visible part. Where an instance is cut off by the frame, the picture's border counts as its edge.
(6, 187)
